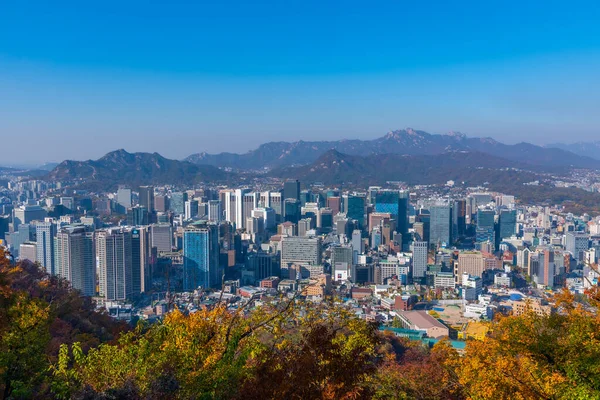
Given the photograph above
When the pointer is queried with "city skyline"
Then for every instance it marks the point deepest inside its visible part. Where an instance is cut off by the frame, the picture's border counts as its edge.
(191, 78)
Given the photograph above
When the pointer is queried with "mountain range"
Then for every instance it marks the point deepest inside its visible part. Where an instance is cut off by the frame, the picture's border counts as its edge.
(406, 142)
(587, 149)
(406, 155)
(134, 169)
(472, 167)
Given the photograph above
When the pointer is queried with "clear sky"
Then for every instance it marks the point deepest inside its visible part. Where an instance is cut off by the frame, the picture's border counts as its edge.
(81, 78)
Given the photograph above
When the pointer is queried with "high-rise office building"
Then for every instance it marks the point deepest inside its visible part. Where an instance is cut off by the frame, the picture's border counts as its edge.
(419, 259)
(485, 230)
(545, 270)
(291, 189)
(268, 216)
(459, 218)
(440, 225)
(305, 197)
(115, 264)
(75, 258)
(146, 198)
(137, 216)
(177, 202)
(354, 208)
(304, 226)
(335, 203)
(576, 243)
(45, 234)
(291, 210)
(141, 260)
(201, 257)
(386, 201)
(26, 214)
(215, 214)
(240, 208)
(28, 251)
(191, 209)
(470, 263)
(262, 265)
(276, 203)
(395, 203)
(161, 203)
(508, 223)
(403, 211)
(124, 197)
(25, 234)
(250, 202)
(297, 249)
(68, 203)
(161, 237)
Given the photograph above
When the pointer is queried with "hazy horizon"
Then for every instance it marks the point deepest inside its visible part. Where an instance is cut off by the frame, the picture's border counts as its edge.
(78, 80)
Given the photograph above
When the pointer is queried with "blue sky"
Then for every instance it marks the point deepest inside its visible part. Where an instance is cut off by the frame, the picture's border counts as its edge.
(79, 79)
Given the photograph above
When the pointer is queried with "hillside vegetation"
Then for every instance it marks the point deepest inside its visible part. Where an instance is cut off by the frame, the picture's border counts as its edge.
(289, 350)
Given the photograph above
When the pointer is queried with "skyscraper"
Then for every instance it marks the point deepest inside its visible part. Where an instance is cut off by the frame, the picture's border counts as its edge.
(161, 203)
(140, 259)
(191, 209)
(291, 212)
(201, 257)
(297, 249)
(161, 237)
(137, 216)
(177, 202)
(124, 197)
(27, 214)
(75, 258)
(402, 220)
(354, 207)
(459, 218)
(146, 198)
(240, 216)
(276, 203)
(508, 223)
(45, 233)
(115, 264)
(419, 259)
(215, 213)
(291, 189)
(387, 201)
(250, 202)
(576, 243)
(335, 203)
(485, 231)
(396, 204)
(440, 224)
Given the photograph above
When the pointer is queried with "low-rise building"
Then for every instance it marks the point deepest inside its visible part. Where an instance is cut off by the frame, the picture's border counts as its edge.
(421, 321)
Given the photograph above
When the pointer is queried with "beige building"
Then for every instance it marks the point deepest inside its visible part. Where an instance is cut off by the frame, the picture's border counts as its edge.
(319, 287)
(528, 305)
(472, 263)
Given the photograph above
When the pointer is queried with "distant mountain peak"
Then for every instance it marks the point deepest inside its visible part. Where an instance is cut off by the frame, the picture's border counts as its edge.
(456, 134)
(403, 133)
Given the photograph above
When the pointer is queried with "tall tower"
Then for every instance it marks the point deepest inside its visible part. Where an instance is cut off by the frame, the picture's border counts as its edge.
(115, 264)
(419, 251)
(140, 258)
(147, 198)
(75, 258)
(440, 224)
(45, 234)
(291, 189)
(201, 257)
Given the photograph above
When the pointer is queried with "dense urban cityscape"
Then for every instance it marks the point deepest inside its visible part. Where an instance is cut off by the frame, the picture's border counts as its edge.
(299, 200)
(424, 261)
